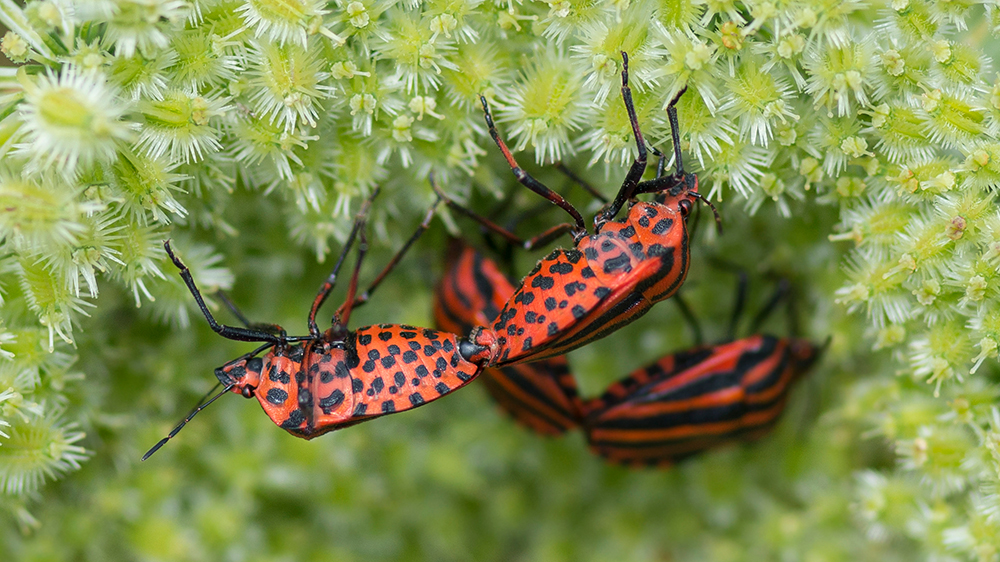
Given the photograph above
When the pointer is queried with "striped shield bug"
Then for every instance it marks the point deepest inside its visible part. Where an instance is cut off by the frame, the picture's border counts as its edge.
(310, 385)
(699, 399)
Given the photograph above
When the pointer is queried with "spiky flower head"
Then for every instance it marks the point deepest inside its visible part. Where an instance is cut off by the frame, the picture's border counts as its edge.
(71, 119)
(545, 105)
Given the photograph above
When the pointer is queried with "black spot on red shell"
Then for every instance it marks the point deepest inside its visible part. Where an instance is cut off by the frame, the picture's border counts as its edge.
(591, 253)
(409, 357)
(662, 226)
(572, 287)
(326, 358)
(431, 334)
(415, 381)
(520, 331)
(652, 211)
(364, 339)
(369, 366)
(326, 377)
(579, 312)
(278, 376)
(550, 304)
(332, 401)
(378, 384)
(357, 385)
(463, 376)
(340, 370)
(421, 371)
(602, 292)
(541, 319)
(529, 317)
(573, 256)
(441, 364)
(620, 261)
(447, 345)
(407, 335)
(627, 232)
(373, 354)
(295, 419)
(644, 222)
(587, 273)
(393, 349)
(636, 249)
(415, 345)
(527, 344)
(543, 282)
(657, 250)
(416, 399)
(441, 388)
(563, 303)
(553, 328)
(385, 336)
(527, 297)
(429, 350)
(393, 390)
(277, 396)
(561, 268)
(359, 410)
(400, 378)
(454, 360)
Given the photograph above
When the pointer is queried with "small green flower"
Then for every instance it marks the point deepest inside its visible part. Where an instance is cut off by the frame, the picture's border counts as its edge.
(71, 120)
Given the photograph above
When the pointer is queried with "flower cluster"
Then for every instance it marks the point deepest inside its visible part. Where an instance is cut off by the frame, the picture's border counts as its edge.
(128, 122)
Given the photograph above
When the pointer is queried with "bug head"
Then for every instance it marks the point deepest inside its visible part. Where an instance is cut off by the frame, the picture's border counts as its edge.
(242, 374)
(804, 354)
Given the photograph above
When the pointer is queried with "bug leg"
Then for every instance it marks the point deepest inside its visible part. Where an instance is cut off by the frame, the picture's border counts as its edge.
(525, 179)
(690, 318)
(539, 240)
(782, 291)
(228, 332)
(424, 225)
(675, 134)
(262, 326)
(343, 314)
(581, 182)
(327, 286)
(738, 304)
(628, 188)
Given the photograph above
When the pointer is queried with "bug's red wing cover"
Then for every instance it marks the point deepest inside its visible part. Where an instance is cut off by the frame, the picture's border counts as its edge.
(397, 367)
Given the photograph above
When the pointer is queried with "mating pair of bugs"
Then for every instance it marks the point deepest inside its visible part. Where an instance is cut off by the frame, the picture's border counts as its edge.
(516, 337)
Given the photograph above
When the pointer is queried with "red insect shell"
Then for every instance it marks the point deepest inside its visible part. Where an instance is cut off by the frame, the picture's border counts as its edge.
(541, 395)
(611, 278)
(696, 400)
(312, 388)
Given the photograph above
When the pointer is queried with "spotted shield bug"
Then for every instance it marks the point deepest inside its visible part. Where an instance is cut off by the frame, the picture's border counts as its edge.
(609, 278)
(310, 385)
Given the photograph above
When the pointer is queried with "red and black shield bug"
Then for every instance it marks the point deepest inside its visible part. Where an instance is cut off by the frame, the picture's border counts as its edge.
(609, 278)
(310, 385)
(541, 395)
(699, 399)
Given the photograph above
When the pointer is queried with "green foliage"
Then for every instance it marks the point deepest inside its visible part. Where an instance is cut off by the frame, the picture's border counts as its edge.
(830, 131)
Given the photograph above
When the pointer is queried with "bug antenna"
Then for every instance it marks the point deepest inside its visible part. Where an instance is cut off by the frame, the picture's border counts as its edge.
(703, 199)
(201, 406)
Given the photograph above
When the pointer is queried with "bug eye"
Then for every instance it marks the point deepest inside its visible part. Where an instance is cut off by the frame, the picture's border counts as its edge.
(685, 207)
(247, 391)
